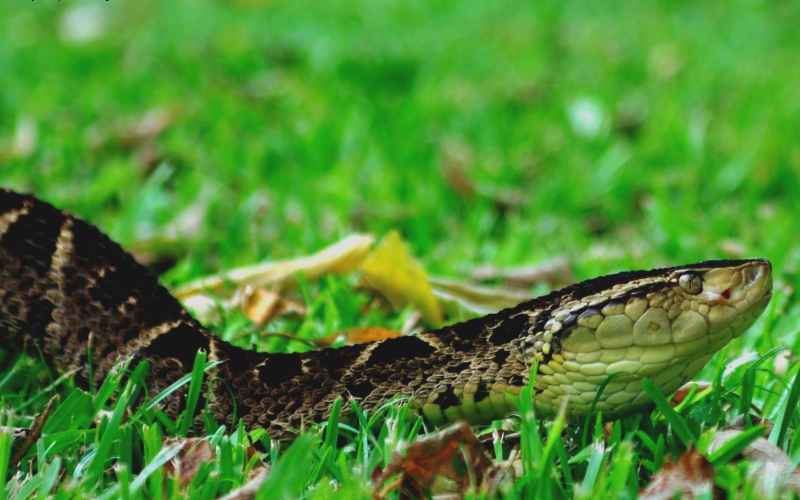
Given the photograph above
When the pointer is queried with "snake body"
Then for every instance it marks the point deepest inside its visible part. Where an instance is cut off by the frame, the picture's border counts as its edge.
(67, 290)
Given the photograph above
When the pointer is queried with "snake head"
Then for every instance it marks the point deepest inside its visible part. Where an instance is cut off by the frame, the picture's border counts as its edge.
(727, 294)
(663, 324)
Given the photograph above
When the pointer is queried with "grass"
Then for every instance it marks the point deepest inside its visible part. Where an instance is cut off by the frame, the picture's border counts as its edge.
(620, 136)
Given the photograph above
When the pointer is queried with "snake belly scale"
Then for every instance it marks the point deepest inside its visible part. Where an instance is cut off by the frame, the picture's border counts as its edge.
(66, 287)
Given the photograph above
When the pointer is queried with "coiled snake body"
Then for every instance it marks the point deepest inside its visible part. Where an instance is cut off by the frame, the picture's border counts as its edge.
(64, 286)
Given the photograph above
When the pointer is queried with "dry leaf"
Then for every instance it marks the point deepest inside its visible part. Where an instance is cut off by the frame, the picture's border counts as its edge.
(740, 423)
(23, 439)
(147, 127)
(456, 160)
(783, 361)
(686, 389)
(555, 273)
(453, 454)
(392, 271)
(358, 336)
(204, 308)
(249, 490)
(692, 476)
(260, 306)
(777, 472)
(194, 452)
(26, 137)
(344, 256)
(411, 324)
(476, 298)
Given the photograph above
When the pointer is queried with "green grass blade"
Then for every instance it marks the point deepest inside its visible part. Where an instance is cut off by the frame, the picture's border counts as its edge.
(786, 414)
(195, 387)
(5, 454)
(332, 429)
(74, 413)
(110, 434)
(596, 459)
(729, 450)
(678, 424)
(287, 479)
(588, 417)
(176, 385)
(544, 482)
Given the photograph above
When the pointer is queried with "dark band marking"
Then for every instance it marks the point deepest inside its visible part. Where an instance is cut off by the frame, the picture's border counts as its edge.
(510, 329)
(481, 393)
(333, 360)
(124, 278)
(181, 343)
(278, 368)
(40, 314)
(447, 399)
(469, 330)
(32, 238)
(114, 288)
(391, 350)
(500, 357)
(10, 200)
(361, 390)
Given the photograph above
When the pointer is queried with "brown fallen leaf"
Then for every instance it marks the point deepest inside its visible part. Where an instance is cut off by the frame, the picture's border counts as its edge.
(185, 465)
(147, 127)
(360, 335)
(23, 439)
(784, 361)
(411, 324)
(690, 477)
(456, 159)
(453, 454)
(26, 137)
(740, 423)
(392, 271)
(476, 298)
(133, 131)
(686, 389)
(249, 490)
(204, 308)
(556, 273)
(344, 256)
(733, 249)
(262, 306)
(777, 473)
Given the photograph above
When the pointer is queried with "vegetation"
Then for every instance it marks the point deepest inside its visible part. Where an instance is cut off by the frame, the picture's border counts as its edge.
(211, 135)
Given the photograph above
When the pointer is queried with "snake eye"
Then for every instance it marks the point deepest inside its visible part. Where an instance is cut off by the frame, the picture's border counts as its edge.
(691, 283)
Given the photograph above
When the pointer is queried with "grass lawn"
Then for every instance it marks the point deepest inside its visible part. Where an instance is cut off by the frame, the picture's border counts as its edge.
(207, 136)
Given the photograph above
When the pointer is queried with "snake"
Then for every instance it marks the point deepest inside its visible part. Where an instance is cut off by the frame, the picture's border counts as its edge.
(75, 299)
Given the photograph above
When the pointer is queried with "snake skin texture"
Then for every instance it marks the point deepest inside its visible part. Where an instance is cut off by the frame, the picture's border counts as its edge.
(67, 290)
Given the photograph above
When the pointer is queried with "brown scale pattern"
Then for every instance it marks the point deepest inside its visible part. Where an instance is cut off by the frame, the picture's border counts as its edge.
(64, 286)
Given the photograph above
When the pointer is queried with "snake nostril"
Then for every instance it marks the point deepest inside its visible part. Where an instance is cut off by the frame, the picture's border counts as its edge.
(726, 294)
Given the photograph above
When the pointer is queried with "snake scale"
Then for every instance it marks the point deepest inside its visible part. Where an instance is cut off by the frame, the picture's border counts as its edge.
(66, 287)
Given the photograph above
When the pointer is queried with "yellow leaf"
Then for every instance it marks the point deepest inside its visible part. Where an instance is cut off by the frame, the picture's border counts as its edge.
(339, 258)
(476, 298)
(391, 270)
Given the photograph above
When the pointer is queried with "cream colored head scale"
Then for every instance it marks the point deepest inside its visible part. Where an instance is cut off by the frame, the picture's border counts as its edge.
(663, 325)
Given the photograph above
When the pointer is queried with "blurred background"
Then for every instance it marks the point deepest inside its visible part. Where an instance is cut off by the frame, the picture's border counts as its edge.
(211, 135)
